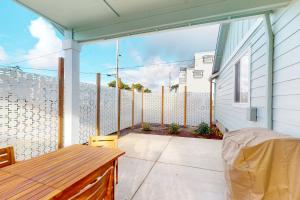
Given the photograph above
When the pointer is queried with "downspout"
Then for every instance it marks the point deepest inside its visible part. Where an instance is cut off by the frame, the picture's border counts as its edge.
(269, 86)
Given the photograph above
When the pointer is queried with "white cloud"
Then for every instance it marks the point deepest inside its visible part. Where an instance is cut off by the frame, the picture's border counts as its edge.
(136, 56)
(182, 43)
(152, 75)
(47, 44)
(3, 55)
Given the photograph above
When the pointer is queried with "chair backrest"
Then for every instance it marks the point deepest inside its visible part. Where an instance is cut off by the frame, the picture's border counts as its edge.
(99, 189)
(104, 141)
(7, 156)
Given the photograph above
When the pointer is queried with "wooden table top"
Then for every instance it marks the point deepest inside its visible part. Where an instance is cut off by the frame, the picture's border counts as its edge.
(46, 176)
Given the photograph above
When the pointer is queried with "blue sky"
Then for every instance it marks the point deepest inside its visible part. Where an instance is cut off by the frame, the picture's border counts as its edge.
(29, 41)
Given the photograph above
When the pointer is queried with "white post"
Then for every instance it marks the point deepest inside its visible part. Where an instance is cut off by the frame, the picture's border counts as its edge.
(72, 86)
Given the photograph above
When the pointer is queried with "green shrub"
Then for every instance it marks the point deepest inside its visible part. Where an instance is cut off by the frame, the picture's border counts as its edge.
(146, 127)
(203, 129)
(174, 128)
(216, 132)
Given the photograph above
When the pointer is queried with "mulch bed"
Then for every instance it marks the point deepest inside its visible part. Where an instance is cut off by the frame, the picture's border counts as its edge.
(156, 129)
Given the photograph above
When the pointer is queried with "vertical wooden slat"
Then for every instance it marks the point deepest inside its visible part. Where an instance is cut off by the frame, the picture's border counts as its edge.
(162, 105)
(119, 107)
(185, 106)
(210, 105)
(142, 120)
(132, 110)
(98, 126)
(60, 102)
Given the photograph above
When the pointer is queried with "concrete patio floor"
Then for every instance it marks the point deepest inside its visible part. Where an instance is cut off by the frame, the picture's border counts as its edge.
(164, 167)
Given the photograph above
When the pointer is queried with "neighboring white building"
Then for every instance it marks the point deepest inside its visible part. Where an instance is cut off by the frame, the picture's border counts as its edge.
(196, 78)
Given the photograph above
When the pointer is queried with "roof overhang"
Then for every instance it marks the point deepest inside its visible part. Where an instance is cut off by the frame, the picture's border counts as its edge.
(221, 43)
(105, 19)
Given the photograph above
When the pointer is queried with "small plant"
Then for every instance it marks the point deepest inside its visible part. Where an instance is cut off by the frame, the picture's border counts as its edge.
(203, 129)
(146, 127)
(216, 132)
(174, 128)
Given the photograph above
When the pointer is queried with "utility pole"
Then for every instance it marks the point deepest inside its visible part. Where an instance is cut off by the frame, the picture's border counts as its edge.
(117, 62)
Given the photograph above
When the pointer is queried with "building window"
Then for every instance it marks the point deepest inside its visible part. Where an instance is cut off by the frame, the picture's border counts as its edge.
(198, 73)
(241, 88)
(208, 59)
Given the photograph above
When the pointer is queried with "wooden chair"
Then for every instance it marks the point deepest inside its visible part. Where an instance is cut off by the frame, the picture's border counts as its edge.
(100, 189)
(7, 156)
(106, 141)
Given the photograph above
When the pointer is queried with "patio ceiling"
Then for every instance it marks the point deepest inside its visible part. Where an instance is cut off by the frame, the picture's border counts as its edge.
(105, 19)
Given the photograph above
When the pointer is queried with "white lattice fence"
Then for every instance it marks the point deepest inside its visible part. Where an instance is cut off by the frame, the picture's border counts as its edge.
(174, 108)
(28, 113)
(87, 118)
(197, 108)
(108, 110)
(152, 107)
(137, 108)
(126, 109)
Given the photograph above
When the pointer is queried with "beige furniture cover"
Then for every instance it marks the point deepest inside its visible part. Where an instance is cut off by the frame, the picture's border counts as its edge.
(261, 164)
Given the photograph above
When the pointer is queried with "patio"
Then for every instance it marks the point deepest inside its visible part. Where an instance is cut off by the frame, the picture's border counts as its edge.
(170, 167)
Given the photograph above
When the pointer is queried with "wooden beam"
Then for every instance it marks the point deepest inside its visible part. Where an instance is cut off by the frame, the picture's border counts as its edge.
(60, 75)
(132, 109)
(162, 106)
(210, 105)
(185, 106)
(98, 126)
(142, 120)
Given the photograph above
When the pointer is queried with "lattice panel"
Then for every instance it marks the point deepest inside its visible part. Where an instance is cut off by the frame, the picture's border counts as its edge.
(108, 110)
(137, 108)
(174, 108)
(28, 113)
(197, 108)
(152, 107)
(126, 108)
(87, 120)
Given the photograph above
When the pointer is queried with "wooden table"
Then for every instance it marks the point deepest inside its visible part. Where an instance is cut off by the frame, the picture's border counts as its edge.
(56, 175)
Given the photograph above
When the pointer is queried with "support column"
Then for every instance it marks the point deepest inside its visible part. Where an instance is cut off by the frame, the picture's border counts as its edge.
(72, 85)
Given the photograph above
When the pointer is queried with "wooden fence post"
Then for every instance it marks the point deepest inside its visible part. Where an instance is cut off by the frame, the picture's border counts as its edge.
(142, 120)
(162, 106)
(132, 110)
(98, 80)
(119, 106)
(61, 76)
(185, 107)
(210, 105)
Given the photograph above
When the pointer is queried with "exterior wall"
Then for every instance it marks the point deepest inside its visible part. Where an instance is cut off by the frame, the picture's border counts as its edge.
(286, 88)
(243, 35)
(286, 77)
(197, 84)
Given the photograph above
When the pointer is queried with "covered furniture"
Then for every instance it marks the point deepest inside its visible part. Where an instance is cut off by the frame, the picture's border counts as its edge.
(70, 173)
(261, 164)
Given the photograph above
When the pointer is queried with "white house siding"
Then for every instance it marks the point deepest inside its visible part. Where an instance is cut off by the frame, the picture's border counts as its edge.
(242, 35)
(286, 88)
(286, 83)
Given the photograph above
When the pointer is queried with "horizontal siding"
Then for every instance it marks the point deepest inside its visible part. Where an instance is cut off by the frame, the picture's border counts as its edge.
(227, 113)
(286, 88)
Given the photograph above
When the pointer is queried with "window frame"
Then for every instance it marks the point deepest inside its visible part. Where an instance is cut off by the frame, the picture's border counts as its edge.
(246, 52)
(201, 73)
